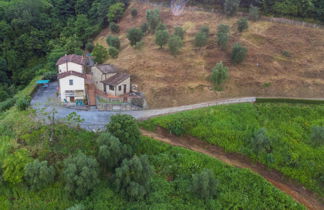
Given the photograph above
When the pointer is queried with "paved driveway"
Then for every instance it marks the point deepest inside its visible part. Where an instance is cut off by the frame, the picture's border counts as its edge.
(93, 119)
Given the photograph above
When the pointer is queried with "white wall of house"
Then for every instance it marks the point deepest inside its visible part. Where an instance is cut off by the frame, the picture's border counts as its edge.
(119, 89)
(69, 66)
(98, 76)
(78, 85)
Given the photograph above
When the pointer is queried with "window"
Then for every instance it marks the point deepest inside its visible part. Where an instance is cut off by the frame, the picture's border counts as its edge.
(119, 88)
(71, 81)
(111, 87)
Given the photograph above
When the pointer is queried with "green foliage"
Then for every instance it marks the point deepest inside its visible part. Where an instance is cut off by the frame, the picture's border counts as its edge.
(161, 27)
(134, 12)
(222, 36)
(100, 53)
(238, 53)
(144, 28)
(242, 24)
(13, 166)
(175, 44)
(110, 151)
(80, 175)
(153, 19)
(113, 41)
(125, 128)
(115, 12)
(23, 103)
(219, 74)
(179, 31)
(201, 39)
(113, 52)
(231, 7)
(254, 13)
(114, 27)
(317, 136)
(89, 46)
(73, 119)
(289, 100)
(260, 142)
(5, 105)
(50, 75)
(38, 174)
(176, 127)
(161, 37)
(204, 184)
(133, 178)
(134, 35)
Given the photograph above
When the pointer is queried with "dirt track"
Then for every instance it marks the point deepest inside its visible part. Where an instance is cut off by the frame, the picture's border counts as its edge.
(297, 191)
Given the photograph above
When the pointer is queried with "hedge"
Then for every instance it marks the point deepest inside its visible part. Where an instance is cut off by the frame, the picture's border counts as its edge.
(289, 100)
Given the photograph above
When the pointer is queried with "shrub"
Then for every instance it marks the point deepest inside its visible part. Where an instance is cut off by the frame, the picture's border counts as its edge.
(260, 142)
(38, 174)
(23, 103)
(175, 44)
(125, 128)
(133, 178)
(134, 12)
(144, 28)
(134, 35)
(89, 46)
(153, 19)
(161, 27)
(178, 31)
(219, 74)
(222, 36)
(222, 28)
(113, 52)
(115, 12)
(205, 30)
(204, 184)
(113, 41)
(114, 27)
(5, 105)
(201, 39)
(176, 127)
(254, 13)
(100, 53)
(231, 7)
(161, 37)
(110, 151)
(80, 175)
(14, 164)
(242, 24)
(238, 53)
(317, 136)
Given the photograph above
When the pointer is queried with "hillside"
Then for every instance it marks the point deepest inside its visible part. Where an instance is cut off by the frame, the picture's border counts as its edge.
(283, 60)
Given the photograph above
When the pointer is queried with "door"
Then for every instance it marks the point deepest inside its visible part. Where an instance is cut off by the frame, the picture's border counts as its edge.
(125, 89)
(72, 99)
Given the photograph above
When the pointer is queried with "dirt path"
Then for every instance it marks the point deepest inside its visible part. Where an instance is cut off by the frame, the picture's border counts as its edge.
(297, 191)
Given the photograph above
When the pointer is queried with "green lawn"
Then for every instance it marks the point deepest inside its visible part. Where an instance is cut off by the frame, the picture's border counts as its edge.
(231, 127)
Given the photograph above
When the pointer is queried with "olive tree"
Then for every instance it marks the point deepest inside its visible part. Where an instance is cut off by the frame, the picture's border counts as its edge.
(38, 174)
(242, 24)
(222, 36)
(113, 41)
(153, 19)
(178, 31)
(113, 52)
(204, 184)
(161, 37)
(201, 39)
(115, 12)
(231, 7)
(134, 35)
(219, 74)
(238, 53)
(175, 44)
(114, 27)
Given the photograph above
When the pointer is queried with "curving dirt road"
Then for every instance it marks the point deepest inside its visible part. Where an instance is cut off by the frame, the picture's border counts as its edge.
(297, 191)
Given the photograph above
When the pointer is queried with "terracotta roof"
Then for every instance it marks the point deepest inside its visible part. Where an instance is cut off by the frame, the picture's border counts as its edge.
(72, 58)
(107, 68)
(116, 79)
(69, 73)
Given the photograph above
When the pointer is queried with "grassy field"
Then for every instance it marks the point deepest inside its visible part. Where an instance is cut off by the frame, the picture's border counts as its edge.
(287, 129)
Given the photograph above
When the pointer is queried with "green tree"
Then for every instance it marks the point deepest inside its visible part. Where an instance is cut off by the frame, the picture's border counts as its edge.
(201, 39)
(242, 24)
(317, 136)
(133, 178)
(115, 12)
(231, 7)
(89, 47)
(114, 27)
(153, 19)
(125, 128)
(80, 175)
(111, 152)
(134, 35)
(134, 12)
(38, 174)
(100, 53)
(222, 36)
(144, 28)
(254, 13)
(113, 41)
(260, 142)
(204, 184)
(161, 37)
(238, 53)
(113, 52)
(161, 27)
(175, 44)
(178, 31)
(219, 74)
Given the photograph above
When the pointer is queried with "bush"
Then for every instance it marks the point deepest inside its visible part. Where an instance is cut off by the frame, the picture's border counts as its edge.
(144, 28)
(260, 142)
(238, 53)
(89, 46)
(114, 27)
(23, 103)
(317, 136)
(110, 151)
(254, 13)
(219, 74)
(115, 12)
(161, 27)
(231, 7)
(204, 184)
(201, 39)
(222, 36)
(176, 127)
(113, 52)
(38, 174)
(134, 12)
(133, 178)
(242, 24)
(7, 104)
(100, 53)
(125, 128)
(178, 31)
(80, 175)
(153, 19)
(113, 41)
(134, 35)
(161, 37)
(175, 44)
